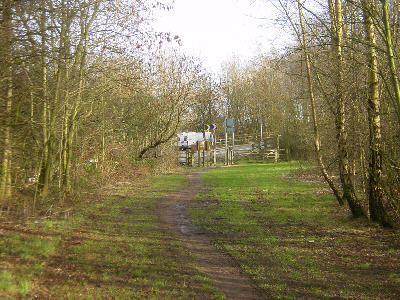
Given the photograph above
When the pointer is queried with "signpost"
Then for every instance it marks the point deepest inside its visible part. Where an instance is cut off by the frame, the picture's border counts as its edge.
(229, 127)
(212, 128)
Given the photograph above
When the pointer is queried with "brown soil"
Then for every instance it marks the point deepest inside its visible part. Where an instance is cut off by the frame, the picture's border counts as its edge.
(174, 216)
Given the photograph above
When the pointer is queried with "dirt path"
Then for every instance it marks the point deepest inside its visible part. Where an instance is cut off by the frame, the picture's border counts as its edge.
(174, 217)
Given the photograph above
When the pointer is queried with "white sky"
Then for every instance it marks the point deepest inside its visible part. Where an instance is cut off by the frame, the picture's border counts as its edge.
(216, 30)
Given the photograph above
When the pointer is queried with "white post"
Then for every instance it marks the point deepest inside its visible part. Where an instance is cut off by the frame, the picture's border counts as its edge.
(226, 148)
(215, 148)
(277, 146)
(233, 146)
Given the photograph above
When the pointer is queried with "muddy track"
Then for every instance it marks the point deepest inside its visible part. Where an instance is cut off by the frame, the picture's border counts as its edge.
(174, 217)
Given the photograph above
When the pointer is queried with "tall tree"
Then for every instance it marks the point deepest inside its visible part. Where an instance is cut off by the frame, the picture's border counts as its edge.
(303, 41)
(87, 14)
(6, 95)
(45, 168)
(376, 191)
(349, 193)
(391, 57)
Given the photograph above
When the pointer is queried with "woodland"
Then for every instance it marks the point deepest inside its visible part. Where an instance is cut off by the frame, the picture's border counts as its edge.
(90, 94)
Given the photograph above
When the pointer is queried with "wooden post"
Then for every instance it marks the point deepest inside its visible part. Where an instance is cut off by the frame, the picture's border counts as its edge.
(198, 157)
(197, 149)
(207, 145)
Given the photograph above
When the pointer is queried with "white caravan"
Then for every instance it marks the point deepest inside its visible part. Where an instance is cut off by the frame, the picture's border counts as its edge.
(187, 139)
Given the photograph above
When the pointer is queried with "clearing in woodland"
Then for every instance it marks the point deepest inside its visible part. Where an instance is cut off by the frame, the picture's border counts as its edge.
(243, 232)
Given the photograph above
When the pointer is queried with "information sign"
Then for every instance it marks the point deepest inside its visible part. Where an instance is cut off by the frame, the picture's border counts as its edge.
(230, 125)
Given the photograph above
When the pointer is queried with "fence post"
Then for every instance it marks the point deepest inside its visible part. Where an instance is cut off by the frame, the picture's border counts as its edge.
(198, 156)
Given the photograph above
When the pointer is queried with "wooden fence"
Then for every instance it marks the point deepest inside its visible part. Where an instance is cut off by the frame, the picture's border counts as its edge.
(245, 148)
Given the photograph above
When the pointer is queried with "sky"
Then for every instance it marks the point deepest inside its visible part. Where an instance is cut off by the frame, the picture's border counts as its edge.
(217, 30)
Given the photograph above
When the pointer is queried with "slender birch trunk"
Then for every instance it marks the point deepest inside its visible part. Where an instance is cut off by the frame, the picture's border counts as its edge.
(390, 57)
(349, 193)
(317, 142)
(376, 192)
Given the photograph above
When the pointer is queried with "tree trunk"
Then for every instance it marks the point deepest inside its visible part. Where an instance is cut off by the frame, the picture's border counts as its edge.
(391, 60)
(376, 192)
(349, 194)
(317, 143)
(44, 173)
(66, 182)
(70, 117)
(7, 35)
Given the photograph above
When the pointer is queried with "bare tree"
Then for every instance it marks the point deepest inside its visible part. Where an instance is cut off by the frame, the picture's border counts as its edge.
(376, 191)
(391, 57)
(6, 96)
(349, 193)
(301, 36)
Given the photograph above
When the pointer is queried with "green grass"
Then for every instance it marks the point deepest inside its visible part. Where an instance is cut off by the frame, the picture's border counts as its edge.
(293, 240)
(111, 248)
(28, 248)
(21, 258)
(12, 285)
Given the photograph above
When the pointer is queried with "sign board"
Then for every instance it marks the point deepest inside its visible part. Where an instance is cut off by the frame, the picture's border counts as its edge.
(230, 122)
(230, 125)
(210, 127)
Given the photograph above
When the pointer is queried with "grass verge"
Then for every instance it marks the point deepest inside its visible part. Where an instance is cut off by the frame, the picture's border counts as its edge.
(111, 248)
(293, 240)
